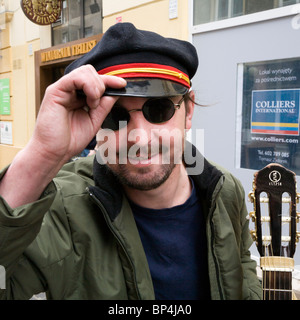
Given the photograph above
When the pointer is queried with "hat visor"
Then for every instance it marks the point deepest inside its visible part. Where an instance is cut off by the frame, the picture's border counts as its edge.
(148, 88)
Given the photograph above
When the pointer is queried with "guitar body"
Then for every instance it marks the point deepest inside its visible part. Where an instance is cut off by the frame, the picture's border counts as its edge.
(276, 231)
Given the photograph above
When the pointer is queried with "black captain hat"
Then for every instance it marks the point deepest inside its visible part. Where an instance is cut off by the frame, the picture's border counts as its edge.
(154, 66)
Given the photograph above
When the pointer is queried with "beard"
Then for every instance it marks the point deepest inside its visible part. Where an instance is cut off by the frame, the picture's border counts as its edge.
(164, 154)
(143, 179)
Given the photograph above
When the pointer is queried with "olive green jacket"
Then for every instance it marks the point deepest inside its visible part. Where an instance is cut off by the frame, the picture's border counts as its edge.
(80, 240)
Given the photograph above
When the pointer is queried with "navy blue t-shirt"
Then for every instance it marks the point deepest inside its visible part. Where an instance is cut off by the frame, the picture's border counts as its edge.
(174, 241)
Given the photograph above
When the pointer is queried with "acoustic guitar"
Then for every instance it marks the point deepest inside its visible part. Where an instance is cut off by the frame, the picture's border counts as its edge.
(274, 199)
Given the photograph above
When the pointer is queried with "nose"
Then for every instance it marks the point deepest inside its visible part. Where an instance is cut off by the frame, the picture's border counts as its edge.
(138, 128)
(137, 120)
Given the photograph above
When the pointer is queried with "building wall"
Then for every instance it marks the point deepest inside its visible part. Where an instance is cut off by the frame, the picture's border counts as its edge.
(216, 81)
(148, 15)
(20, 38)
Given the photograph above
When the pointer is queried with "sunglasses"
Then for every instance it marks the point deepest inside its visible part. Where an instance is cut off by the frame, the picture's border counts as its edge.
(155, 110)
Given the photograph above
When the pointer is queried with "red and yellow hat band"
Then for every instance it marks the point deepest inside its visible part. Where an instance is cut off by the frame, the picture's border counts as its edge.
(147, 70)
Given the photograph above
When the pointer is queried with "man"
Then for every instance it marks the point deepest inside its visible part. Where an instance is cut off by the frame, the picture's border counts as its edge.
(135, 226)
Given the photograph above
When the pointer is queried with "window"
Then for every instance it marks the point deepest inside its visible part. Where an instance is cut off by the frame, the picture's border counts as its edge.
(223, 7)
(238, 8)
(92, 17)
(284, 3)
(79, 19)
(203, 11)
(214, 10)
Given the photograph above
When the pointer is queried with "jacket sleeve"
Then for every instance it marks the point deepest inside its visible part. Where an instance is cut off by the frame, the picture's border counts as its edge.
(251, 288)
(18, 228)
(232, 242)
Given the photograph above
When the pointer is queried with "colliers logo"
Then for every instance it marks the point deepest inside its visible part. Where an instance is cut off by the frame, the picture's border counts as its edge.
(275, 178)
(41, 12)
(275, 112)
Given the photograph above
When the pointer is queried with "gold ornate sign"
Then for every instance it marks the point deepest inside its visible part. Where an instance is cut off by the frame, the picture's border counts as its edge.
(41, 12)
(69, 51)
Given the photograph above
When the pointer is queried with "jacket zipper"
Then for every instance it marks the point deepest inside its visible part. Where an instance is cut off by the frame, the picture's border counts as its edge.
(105, 214)
(215, 260)
(212, 243)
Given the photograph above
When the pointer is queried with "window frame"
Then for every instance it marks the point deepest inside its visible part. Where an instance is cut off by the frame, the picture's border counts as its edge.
(275, 13)
(61, 21)
(281, 2)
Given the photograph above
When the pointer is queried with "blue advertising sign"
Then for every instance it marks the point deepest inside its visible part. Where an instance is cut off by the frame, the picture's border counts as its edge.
(275, 112)
(268, 114)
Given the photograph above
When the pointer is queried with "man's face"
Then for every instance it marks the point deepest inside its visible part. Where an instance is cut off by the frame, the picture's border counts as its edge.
(146, 154)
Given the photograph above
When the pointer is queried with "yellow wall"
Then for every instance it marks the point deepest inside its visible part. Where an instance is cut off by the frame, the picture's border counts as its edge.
(19, 39)
(148, 15)
(111, 7)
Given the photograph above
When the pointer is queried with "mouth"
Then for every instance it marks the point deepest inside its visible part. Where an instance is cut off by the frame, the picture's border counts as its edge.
(144, 160)
(150, 155)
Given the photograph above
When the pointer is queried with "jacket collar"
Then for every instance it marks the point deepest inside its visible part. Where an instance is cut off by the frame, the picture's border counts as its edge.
(107, 189)
(204, 174)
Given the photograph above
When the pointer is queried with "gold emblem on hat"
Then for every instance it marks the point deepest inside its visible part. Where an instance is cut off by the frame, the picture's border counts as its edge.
(41, 12)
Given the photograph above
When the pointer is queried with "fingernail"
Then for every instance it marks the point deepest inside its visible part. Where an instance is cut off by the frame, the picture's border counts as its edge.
(123, 81)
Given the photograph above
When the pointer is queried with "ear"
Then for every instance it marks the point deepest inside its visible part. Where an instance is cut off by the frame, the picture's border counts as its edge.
(189, 107)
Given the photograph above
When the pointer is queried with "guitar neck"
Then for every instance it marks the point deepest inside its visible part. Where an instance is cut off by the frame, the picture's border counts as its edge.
(277, 285)
(277, 278)
(275, 216)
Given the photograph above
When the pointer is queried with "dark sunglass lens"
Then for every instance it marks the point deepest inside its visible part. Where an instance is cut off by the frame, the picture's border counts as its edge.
(158, 110)
(114, 118)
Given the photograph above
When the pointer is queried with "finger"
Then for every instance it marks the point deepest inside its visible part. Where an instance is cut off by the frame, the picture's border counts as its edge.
(100, 113)
(104, 82)
(86, 80)
(113, 82)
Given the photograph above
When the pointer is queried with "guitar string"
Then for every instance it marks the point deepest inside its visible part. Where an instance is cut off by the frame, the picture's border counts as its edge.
(264, 271)
(282, 250)
(269, 252)
(267, 246)
(289, 274)
(284, 253)
(285, 276)
(272, 275)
